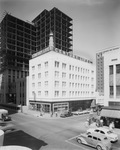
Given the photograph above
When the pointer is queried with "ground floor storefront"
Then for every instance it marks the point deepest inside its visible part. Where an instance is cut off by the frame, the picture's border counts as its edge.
(111, 114)
(53, 107)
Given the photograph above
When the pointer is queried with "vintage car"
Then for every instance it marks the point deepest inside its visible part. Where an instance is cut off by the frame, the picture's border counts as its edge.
(96, 140)
(66, 114)
(104, 131)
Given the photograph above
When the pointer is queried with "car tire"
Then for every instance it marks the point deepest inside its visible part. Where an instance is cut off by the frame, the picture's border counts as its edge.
(79, 141)
(99, 147)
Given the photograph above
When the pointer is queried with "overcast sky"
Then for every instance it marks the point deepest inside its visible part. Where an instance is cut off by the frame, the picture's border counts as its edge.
(96, 23)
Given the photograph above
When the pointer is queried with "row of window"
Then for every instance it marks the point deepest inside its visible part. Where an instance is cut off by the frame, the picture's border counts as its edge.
(111, 69)
(111, 90)
(64, 66)
(71, 76)
(64, 93)
(64, 84)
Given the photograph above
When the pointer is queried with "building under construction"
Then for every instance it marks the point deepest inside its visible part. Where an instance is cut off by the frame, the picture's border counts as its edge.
(19, 40)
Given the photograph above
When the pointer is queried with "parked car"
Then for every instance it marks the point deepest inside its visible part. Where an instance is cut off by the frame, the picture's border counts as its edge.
(4, 115)
(96, 140)
(81, 112)
(66, 114)
(104, 131)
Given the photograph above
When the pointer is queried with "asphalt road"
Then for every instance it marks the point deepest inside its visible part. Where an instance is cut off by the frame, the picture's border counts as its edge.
(47, 134)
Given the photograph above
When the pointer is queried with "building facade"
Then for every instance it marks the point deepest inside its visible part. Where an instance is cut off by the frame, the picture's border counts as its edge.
(20, 39)
(60, 81)
(100, 69)
(18, 42)
(112, 77)
(111, 111)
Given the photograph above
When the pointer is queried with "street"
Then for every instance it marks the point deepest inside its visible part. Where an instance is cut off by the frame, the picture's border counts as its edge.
(48, 134)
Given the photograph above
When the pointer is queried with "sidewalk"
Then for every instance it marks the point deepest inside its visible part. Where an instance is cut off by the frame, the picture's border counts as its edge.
(44, 115)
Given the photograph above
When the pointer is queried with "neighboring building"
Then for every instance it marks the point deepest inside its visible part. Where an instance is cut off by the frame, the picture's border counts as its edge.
(59, 80)
(57, 22)
(18, 42)
(111, 69)
(20, 39)
(100, 73)
(112, 77)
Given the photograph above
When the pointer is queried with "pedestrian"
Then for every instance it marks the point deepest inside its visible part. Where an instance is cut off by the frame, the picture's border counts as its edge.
(56, 113)
(111, 126)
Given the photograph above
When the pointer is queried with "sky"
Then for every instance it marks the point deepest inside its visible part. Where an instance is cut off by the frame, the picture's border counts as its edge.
(96, 23)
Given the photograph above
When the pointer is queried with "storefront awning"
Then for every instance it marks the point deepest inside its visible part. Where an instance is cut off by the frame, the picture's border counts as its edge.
(110, 113)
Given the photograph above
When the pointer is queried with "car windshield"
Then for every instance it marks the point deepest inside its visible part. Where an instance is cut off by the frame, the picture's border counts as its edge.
(109, 132)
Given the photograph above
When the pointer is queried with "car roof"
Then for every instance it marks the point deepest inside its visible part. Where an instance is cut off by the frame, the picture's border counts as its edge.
(97, 135)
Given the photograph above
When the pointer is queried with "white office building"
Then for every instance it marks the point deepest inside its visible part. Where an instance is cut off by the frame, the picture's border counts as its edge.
(60, 81)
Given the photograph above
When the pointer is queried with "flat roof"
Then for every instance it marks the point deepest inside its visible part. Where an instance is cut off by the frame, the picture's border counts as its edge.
(48, 49)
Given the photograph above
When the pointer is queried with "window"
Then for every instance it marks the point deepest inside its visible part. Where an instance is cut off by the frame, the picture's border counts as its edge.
(33, 68)
(56, 64)
(56, 83)
(89, 136)
(76, 77)
(73, 68)
(56, 74)
(95, 138)
(102, 132)
(63, 75)
(63, 66)
(118, 68)
(63, 93)
(39, 66)
(46, 83)
(39, 84)
(73, 76)
(46, 64)
(33, 84)
(39, 75)
(63, 84)
(46, 74)
(111, 91)
(33, 76)
(110, 70)
(70, 67)
(118, 91)
(46, 93)
(56, 93)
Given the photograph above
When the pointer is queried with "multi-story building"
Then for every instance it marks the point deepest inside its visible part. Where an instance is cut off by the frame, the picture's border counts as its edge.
(57, 22)
(60, 80)
(111, 69)
(18, 42)
(100, 69)
(20, 39)
(112, 77)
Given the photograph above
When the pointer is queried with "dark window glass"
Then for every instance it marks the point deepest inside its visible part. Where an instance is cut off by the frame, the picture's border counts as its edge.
(111, 91)
(110, 70)
(118, 68)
